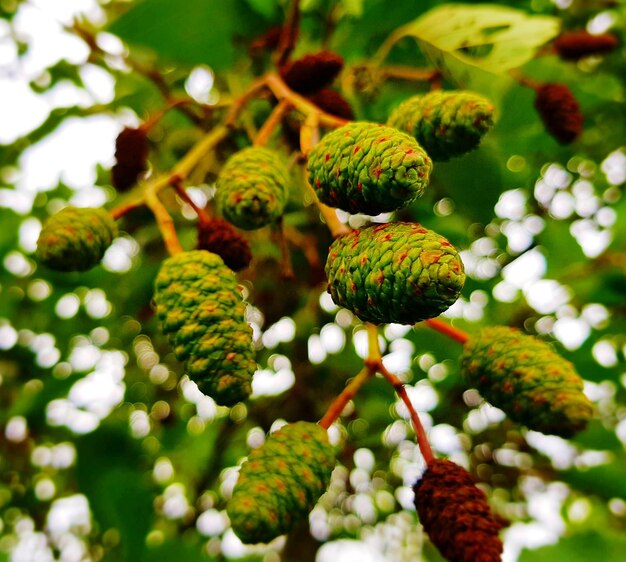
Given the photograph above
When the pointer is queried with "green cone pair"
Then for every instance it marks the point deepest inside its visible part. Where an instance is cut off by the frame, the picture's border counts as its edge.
(281, 482)
(527, 379)
(368, 168)
(398, 272)
(446, 124)
(75, 239)
(201, 311)
(252, 188)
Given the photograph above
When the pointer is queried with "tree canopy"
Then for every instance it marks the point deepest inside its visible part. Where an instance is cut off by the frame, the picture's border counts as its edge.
(228, 227)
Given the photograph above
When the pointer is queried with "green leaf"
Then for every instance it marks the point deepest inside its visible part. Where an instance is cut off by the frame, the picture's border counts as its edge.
(267, 8)
(110, 472)
(180, 550)
(580, 548)
(189, 31)
(474, 193)
(475, 46)
(606, 480)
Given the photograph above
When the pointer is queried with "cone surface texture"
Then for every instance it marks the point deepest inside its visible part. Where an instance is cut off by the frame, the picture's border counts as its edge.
(455, 514)
(281, 482)
(397, 272)
(75, 239)
(368, 168)
(202, 313)
(252, 188)
(446, 124)
(526, 378)
(219, 237)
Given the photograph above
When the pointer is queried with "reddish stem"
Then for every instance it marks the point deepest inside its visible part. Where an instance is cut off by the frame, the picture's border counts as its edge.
(420, 432)
(448, 330)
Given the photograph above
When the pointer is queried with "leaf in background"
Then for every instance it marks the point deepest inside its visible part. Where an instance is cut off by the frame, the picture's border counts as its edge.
(606, 546)
(474, 182)
(189, 31)
(475, 46)
(605, 480)
(269, 9)
(111, 473)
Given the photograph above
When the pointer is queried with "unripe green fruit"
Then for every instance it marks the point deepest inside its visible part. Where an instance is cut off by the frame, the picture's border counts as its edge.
(397, 272)
(252, 188)
(203, 315)
(281, 482)
(368, 168)
(75, 239)
(446, 124)
(527, 379)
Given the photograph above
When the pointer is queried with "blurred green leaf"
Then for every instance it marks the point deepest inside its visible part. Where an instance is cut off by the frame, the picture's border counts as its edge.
(111, 473)
(474, 194)
(189, 31)
(607, 546)
(605, 480)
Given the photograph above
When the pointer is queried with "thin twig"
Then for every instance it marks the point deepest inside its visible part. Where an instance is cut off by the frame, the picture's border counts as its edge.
(289, 35)
(282, 91)
(203, 216)
(164, 221)
(420, 432)
(409, 73)
(448, 330)
(238, 104)
(274, 119)
(286, 267)
(348, 393)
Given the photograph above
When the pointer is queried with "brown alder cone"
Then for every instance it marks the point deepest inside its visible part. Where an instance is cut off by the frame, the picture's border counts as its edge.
(332, 102)
(219, 237)
(560, 112)
(575, 45)
(131, 155)
(312, 72)
(455, 514)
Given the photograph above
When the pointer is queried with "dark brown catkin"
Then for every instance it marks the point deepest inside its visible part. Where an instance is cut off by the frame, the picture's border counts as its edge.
(455, 514)
(560, 112)
(575, 45)
(332, 102)
(131, 155)
(219, 237)
(312, 72)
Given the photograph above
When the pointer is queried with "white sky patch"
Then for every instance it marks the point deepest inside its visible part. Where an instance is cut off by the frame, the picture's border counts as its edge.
(527, 268)
(69, 154)
(546, 295)
(614, 167)
(269, 383)
(348, 550)
(571, 332)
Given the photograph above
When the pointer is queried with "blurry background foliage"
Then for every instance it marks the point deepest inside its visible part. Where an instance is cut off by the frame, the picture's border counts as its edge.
(107, 454)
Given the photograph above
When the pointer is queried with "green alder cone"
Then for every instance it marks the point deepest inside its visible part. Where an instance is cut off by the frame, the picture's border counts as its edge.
(75, 239)
(527, 379)
(201, 311)
(281, 482)
(446, 124)
(252, 188)
(398, 272)
(368, 168)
